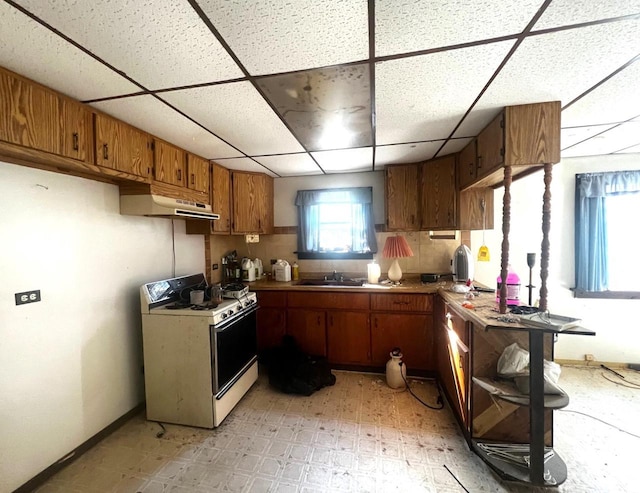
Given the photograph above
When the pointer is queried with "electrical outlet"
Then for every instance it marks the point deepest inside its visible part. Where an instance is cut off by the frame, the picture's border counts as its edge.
(27, 297)
(273, 261)
(214, 267)
(252, 238)
(589, 357)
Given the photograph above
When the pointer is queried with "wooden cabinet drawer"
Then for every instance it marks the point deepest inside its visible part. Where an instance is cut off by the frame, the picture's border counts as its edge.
(402, 302)
(272, 298)
(348, 301)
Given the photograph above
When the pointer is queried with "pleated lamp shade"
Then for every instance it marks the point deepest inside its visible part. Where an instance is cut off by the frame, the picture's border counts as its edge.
(396, 247)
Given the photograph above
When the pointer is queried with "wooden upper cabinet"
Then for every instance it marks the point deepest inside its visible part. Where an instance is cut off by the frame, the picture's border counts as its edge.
(467, 165)
(77, 131)
(198, 173)
(252, 199)
(491, 146)
(439, 194)
(401, 201)
(532, 133)
(221, 198)
(169, 163)
(122, 147)
(29, 114)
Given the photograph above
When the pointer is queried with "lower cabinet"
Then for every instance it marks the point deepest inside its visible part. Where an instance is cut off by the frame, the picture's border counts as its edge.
(271, 319)
(308, 328)
(348, 338)
(411, 333)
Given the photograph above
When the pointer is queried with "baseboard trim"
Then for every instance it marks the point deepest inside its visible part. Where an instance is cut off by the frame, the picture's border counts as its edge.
(41, 477)
(592, 364)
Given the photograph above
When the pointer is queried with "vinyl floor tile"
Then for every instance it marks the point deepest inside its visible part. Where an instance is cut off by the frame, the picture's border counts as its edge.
(357, 436)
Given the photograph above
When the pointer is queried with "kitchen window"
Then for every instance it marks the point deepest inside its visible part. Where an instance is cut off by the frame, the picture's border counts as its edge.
(336, 224)
(607, 229)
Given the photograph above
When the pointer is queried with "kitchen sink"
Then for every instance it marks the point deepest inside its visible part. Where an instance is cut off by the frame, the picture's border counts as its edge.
(329, 282)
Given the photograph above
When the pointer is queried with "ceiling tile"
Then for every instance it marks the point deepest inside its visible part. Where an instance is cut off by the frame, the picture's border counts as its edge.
(33, 51)
(237, 113)
(572, 135)
(244, 164)
(454, 145)
(155, 117)
(290, 164)
(273, 36)
(406, 153)
(345, 160)
(567, 12)
(158, 44)
(617, 100)
(424, 24)
(630, 150)
(414, 96)
(556, 66)
(619, 137)
(326, 108)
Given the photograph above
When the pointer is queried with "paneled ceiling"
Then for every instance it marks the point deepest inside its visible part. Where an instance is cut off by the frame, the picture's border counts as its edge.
(305, 87)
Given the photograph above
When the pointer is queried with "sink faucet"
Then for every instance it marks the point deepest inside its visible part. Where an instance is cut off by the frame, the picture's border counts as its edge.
(336, 276)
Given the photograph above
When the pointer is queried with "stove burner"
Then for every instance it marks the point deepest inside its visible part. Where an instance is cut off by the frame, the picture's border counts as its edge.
(209, 306)
(178, 305)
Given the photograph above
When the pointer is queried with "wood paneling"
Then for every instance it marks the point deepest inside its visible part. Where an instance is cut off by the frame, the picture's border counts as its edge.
(471, 209)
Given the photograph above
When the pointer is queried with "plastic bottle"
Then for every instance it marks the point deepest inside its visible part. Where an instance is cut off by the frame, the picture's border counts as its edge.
(295, 271)
(513, 287)
(396, 370)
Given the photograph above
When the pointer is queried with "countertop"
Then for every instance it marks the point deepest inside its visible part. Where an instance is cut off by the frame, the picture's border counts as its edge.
(408, 286)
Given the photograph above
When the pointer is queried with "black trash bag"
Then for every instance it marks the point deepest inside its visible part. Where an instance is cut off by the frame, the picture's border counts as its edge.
(292, 371)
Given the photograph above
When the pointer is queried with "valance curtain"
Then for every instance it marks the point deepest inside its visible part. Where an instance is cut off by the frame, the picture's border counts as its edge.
(358, 202)
(591, 243)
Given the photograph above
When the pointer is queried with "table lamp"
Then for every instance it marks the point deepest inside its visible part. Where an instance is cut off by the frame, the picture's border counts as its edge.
(396, 247)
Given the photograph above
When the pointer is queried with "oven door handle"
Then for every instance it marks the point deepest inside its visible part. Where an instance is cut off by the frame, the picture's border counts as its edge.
(228, 323)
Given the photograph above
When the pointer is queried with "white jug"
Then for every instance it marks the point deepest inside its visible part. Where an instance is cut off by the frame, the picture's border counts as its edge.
(282, 271)
(257, 263)
(248, 270)
(396, 370)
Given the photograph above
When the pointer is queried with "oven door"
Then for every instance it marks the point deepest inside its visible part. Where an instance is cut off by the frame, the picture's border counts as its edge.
(234, 349)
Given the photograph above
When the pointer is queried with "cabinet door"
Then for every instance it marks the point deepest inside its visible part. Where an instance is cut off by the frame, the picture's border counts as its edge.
(412, 333)
(467, 165)
(348, 338)
(122, 147)
(271, 326)
(491, 147)
(401, 200)
(266, 226)
(198, 173)
(439, 193)
(309, 330)
(247, 202)
(29, 114)
(77, 132)
(169, 163)
(220, 198)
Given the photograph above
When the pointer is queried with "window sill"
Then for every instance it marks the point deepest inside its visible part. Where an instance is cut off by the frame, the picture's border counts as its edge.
(333, 256)
(608, 295)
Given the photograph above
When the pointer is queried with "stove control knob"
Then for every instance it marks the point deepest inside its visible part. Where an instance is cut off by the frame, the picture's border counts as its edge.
(223, 316)
(230, 312)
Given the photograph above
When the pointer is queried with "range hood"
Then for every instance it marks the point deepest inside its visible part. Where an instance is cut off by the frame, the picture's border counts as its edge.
(161, 206)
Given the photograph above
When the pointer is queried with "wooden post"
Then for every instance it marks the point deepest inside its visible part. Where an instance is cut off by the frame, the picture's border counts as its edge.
(506, 224)
(546, 226)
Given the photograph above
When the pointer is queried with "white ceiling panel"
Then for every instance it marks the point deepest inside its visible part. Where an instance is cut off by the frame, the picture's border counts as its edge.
(630, 150)
(613, 140)
(244, 164)
(345, 160)
(33, 51)
(556, 66)
(237, 113)
(406, 153)
(567, 12)
(405, 26)
(274, 36)
(615, 101)
(572, 135)
(155, 117)
(290, 164)
(414, 96)
(454, 145)
(158, 44)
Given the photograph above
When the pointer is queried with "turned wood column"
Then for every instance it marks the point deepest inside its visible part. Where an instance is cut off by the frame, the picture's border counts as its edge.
(546, 226)
(506, 225)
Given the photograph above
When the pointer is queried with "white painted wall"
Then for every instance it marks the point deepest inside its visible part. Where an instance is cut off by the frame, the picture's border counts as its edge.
(615, 321)
(71, 364)
(285, 189)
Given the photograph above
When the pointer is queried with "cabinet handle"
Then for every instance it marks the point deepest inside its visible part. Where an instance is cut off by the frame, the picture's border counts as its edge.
(318, 319)
(192, 178)
(227, 224)
(75, 141)
(479, 161)
(105, 152)
(470, 169)
(179, 175)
